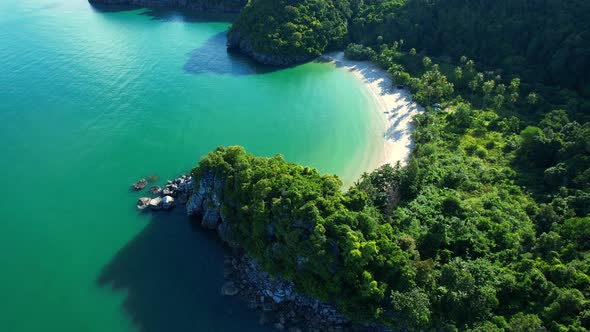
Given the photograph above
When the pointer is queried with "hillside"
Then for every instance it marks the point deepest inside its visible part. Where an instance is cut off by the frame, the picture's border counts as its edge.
(282, 32)
(487, 227)
(547, 41)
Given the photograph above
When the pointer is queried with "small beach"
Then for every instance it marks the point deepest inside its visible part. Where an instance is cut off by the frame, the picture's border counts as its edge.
(395, 108)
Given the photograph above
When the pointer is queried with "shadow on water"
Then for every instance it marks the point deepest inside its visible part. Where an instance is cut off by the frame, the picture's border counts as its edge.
(176, 15)
(212, 57)
(171, 274)
(167, 15)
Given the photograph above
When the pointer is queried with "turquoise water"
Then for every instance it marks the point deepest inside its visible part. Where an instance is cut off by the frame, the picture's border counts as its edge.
(92, 100)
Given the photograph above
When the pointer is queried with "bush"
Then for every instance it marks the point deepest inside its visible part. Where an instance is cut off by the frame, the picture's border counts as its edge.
(358, 52)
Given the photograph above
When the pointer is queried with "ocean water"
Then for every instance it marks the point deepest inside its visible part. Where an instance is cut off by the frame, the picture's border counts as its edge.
(92, 100)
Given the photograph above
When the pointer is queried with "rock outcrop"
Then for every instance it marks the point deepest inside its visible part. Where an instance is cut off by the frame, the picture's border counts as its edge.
(168, 202)
(140, 185)
(175, 191)
(261, 291)
(274, 298)
(279, 303)
(229, 289)
(155, 190)
(156, 203)
(143, 203)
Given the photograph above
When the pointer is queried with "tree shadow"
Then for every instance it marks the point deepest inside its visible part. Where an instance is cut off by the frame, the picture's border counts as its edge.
(212, 57)
(369, 72)
(180, 15)
(167, 14)
(171, 273)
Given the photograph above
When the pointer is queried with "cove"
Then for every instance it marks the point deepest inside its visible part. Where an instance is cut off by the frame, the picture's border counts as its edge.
(92, 100)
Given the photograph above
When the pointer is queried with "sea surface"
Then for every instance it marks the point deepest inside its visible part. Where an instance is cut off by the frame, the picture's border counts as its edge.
(92, 100)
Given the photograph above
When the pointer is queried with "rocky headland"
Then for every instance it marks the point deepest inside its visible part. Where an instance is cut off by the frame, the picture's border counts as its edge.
(275, 299)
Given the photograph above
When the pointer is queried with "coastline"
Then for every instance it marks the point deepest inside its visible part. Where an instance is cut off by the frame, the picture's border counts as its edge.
(276, 300)
(395, 108)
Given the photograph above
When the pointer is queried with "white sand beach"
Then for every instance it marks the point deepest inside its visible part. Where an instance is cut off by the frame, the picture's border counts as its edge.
(395, 106)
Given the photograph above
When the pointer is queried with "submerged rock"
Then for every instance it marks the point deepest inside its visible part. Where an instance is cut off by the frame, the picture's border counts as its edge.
(140, 185)
(229, 289)
(155, 190)
(143, 203)
(153, 178)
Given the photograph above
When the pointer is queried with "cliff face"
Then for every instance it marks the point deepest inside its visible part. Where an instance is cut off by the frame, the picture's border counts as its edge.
(211, 6)
(205, 203)
(258, 288)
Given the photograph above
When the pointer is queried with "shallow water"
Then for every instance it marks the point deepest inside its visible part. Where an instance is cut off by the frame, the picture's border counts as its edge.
(92, 100)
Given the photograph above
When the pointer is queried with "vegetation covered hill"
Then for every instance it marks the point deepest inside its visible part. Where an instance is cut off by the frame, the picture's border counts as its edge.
(546, 41)
(488, 226)
(448, 242)
(286, 28)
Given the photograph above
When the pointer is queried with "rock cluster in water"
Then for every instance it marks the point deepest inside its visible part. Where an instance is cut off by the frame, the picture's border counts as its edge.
(139, 185)
(175, 190)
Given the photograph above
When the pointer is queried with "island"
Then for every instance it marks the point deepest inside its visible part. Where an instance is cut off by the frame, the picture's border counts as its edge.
(486, 226)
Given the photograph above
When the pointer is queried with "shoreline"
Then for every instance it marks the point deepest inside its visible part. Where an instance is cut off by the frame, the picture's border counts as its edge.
(395, 106)
(275, 300)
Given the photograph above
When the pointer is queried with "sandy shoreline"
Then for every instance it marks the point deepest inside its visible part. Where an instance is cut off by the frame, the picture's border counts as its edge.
(395, 106)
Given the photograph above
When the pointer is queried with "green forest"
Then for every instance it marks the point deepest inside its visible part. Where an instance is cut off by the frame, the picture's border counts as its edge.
(487, 228)
(544, 41)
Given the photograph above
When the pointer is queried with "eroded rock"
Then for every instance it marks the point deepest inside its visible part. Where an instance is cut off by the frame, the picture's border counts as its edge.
(156, 203)
(143, 203)
(168, 202)
(155, 190)
(140, 185)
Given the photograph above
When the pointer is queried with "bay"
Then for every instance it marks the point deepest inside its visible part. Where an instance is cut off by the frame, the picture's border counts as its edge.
(90, 101)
